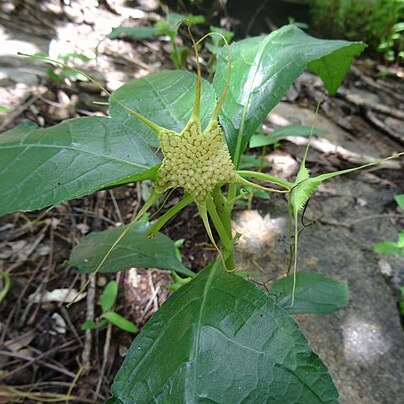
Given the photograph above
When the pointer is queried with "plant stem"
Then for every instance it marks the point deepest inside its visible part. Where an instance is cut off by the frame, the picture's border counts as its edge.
(6, 285)
(217, 222)
(162, 220)
(231, 196)
(224, 215)
(266, 177)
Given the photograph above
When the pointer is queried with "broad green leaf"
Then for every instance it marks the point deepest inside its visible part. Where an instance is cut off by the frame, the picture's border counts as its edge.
(134, 250)
(220, 339)
(263, 68)
(119, 321)
(133, 32)
(108, 296)
(44, 167)
(400, 200)
(166, 98)
(315, 293)
(278, 134)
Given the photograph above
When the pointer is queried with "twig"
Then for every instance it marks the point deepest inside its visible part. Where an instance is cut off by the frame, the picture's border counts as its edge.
(105, 353)
(117, 210)
(91, 295)
(50, 267)
(375, 84)
(138, 200)
(36, 359)
(36, 396)
(88, 340)
(14, 114)
(74, 381)
(152, 299)
(71, 325)
(361, 219)
(325, 146)
(354, 98)
(92, 214)
(17, 304)
(383, 127)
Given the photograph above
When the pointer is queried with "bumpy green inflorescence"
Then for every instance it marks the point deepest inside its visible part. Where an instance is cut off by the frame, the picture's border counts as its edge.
(195, 161)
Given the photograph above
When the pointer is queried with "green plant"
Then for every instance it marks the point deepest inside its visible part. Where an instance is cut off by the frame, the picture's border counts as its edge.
(378, 22)
(58, 73)
(169, 27)
(108, 315)
(5, 285)
(218, 337)
(390, 247)
(392, 45)
(397, 248)
(278, 134)
(4, 109)
(401, 302)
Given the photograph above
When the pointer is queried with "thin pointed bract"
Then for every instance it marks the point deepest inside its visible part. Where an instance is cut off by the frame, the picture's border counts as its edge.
(242, 181)
(196, 110)
(226, 240)
(304, 188)
(266, 177)
(162, 220)
(202, 208)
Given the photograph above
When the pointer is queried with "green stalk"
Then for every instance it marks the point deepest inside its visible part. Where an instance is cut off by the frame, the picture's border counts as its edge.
(6, 285)
(227, 241)
(162, 220)
(266, 177)
(222, 209)
(224, 213)
(231, 196)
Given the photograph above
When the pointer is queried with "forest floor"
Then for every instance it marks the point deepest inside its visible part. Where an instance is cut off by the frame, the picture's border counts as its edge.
(44, 354)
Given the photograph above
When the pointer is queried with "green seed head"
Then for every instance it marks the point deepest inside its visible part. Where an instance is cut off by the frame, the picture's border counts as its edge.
(195, 161)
